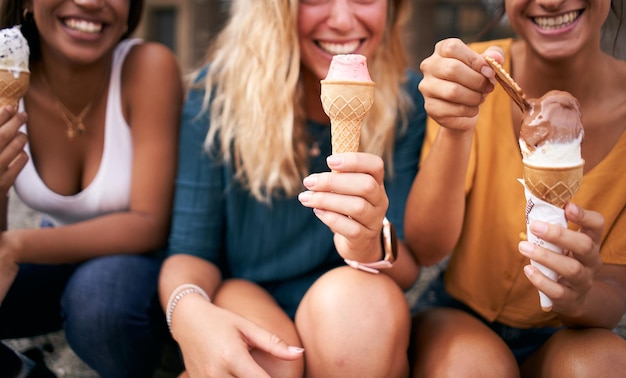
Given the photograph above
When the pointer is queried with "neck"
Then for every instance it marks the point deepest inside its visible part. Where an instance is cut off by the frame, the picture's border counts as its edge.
(74, 99)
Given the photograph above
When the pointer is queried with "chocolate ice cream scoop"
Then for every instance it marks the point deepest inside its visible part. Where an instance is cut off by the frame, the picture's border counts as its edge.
(554, 118)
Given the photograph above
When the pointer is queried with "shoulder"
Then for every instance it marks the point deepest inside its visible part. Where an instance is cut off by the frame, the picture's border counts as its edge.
(146, 59)
(151, 66)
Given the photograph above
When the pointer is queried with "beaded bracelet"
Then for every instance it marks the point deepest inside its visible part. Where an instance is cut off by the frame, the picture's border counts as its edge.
(177, 295)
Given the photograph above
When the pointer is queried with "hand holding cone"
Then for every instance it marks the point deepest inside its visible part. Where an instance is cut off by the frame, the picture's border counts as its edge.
(550, 138)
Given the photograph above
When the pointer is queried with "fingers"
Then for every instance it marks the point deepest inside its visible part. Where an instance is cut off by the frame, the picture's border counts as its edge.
(10, 122)
(456, 81)
(350, 199)
(358, 163)
(591, 222)
(465, 66)
(584, 244)
(495, 52)
(561, 263)
(12, 142)
(259, 338)
(551, 288)
(576, 267)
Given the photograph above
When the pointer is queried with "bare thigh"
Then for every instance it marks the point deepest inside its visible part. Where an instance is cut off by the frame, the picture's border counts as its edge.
(453, 343)
(255, 304)
(571, 353)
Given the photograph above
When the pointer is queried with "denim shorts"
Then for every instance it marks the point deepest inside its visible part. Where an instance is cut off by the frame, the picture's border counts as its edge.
(522, 341)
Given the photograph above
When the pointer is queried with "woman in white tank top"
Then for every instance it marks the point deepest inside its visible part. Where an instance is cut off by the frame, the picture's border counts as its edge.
(92, 147)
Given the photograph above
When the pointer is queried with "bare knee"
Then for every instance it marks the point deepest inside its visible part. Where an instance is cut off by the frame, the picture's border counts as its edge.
(579, 353)
(351, 321)
(452, 343)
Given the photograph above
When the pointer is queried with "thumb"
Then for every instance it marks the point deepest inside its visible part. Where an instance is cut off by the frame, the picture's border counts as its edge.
(264, 340)
(496, 53)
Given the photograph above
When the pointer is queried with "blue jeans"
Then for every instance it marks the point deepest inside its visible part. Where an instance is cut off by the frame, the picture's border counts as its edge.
(108, 307)
(522, 342)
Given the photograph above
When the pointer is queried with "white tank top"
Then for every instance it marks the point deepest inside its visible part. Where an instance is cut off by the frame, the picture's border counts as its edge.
(109, 191)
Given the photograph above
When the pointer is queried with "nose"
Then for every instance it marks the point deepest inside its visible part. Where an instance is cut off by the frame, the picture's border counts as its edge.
(341, 15)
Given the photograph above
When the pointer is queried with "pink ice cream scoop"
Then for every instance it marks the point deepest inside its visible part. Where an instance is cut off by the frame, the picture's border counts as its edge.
(349, 67)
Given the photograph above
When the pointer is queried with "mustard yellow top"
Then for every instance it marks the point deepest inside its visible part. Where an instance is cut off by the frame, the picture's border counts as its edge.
(485, 269)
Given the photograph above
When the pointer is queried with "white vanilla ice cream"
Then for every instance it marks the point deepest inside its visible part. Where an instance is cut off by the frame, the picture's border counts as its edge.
(14, 50)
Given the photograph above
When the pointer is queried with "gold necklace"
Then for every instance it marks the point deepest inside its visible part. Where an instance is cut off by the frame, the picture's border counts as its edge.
(75, 125)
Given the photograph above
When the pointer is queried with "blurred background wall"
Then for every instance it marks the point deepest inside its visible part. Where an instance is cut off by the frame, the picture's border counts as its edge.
(187, 26)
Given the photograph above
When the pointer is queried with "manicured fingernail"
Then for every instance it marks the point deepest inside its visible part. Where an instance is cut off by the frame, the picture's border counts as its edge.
(304, 196)
(526, 248)
(538, 227)
(529, 270)
(487, 72)
(295, 349)
(309, 181)
(573, 209)
(333, 161)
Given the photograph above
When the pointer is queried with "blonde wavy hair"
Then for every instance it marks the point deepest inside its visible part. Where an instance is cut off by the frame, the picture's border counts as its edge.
(254, 92)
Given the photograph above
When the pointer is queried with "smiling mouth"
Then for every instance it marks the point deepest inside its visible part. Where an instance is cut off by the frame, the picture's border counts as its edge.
(339, 48)
(83, 25)
(557, 22)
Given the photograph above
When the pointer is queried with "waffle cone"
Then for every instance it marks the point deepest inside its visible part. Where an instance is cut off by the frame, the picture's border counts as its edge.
(553, 185)
(12, 88)
(346, 103)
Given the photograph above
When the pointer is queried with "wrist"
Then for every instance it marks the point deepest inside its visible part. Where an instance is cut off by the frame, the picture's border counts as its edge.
(178, 295)
(389, 246)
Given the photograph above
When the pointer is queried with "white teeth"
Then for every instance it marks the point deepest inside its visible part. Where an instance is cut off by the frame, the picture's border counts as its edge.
(339, 48)
(552, 23)
(83, 26)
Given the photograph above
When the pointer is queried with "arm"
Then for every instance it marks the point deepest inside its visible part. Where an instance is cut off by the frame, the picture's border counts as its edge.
(588, 293)
(152, 109)
(213, 341)
(456, 81)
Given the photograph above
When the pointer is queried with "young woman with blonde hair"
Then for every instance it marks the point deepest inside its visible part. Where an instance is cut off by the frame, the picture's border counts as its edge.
(252, 269)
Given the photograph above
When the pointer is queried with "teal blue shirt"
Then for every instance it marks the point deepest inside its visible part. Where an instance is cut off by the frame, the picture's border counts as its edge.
(282, 246)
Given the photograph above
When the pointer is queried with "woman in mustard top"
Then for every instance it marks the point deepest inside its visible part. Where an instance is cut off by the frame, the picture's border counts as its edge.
(483, 317)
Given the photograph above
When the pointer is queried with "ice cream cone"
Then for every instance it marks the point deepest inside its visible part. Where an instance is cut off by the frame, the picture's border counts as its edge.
(555, 185)
(346, 103)
(13, 85)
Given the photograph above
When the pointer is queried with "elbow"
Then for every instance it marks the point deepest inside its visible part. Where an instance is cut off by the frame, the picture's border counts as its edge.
(428, 254)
